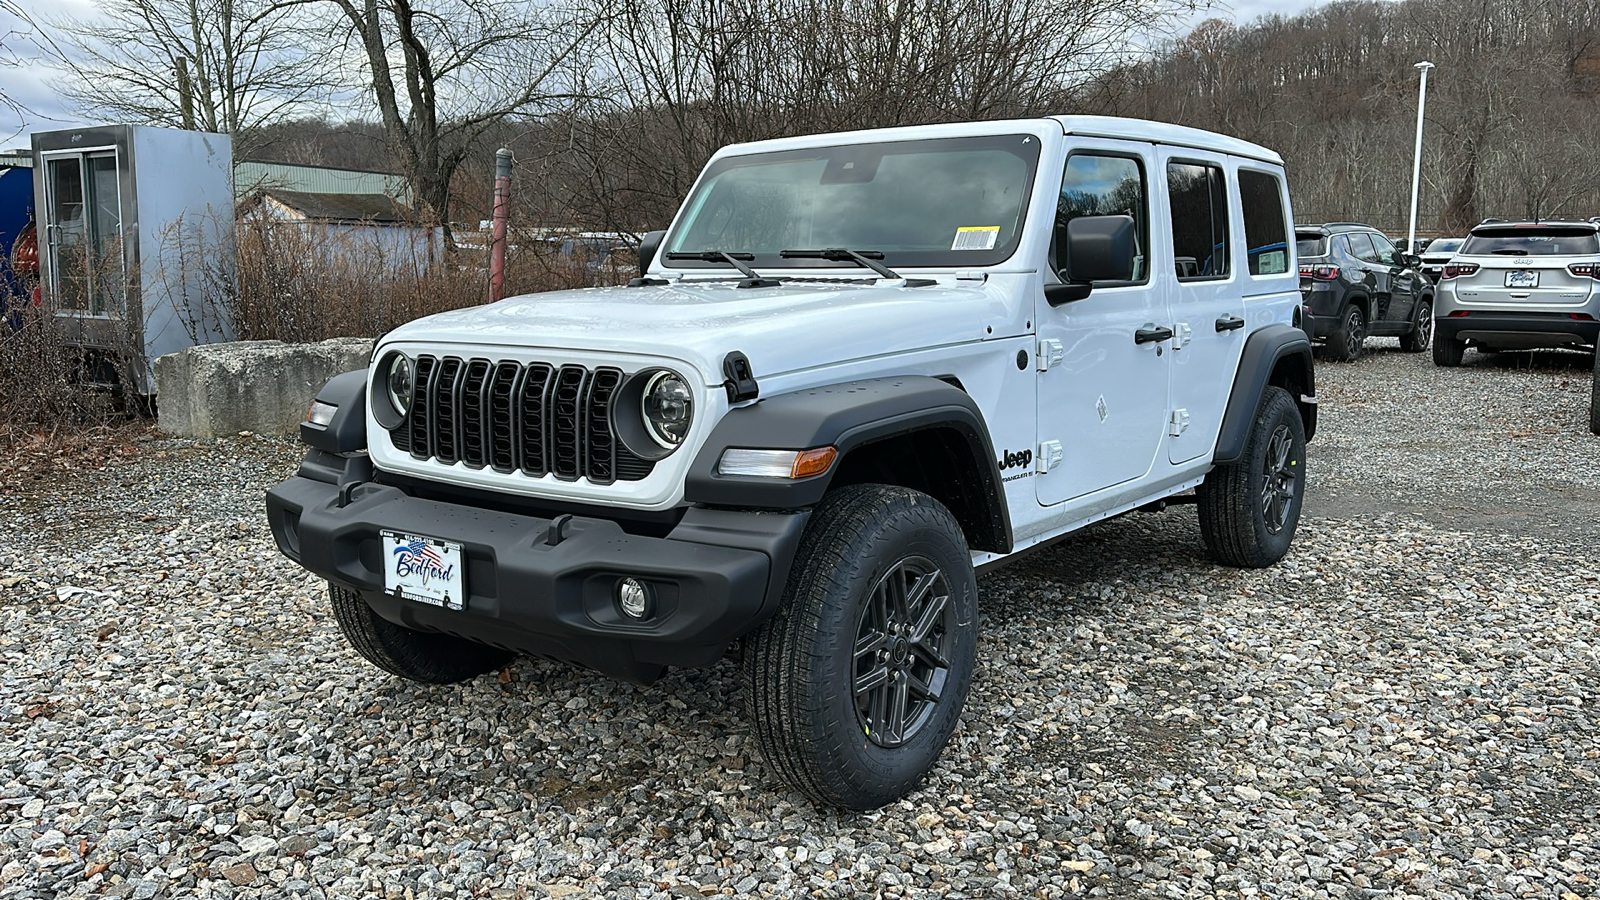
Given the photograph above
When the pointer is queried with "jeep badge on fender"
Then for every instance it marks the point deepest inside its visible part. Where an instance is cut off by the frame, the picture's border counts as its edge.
(812, 419)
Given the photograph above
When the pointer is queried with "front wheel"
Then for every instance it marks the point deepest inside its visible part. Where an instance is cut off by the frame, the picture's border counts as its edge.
(1349, 336)
(1421, 329)
(424, 656)
(1249, 510)
(857, 682)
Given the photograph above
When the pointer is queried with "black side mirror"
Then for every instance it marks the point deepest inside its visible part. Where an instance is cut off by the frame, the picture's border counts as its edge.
(1099, 248)
(649, 243)
(1410, 260)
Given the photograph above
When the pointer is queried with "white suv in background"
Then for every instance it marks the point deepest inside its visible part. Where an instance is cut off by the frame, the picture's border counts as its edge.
(1519, 286)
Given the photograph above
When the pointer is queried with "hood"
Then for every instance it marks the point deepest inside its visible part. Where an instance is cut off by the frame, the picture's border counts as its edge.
(781, 329)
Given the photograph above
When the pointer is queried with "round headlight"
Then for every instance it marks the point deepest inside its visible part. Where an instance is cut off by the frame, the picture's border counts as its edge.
(399, 382)
(668, 408)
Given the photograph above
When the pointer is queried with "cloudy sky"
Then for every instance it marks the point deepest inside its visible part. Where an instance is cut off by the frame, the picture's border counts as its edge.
(25, 79)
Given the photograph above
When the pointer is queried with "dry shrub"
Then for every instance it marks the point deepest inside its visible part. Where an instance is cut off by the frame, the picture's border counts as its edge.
(47, 379)
(300, 283)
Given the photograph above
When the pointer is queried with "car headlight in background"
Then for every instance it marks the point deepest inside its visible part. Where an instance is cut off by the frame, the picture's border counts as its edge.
(668, 407)
(398, 382)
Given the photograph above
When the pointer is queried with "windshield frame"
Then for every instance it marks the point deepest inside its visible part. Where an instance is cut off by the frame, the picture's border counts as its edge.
(1026, 146)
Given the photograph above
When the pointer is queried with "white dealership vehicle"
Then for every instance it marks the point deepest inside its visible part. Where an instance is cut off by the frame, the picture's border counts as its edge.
(856, 369)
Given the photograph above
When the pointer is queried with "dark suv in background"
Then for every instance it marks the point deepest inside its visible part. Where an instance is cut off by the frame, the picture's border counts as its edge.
(1358, 285)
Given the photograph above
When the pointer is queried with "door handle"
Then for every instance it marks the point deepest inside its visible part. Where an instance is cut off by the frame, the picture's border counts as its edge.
(1152, 335)
(1229, 323)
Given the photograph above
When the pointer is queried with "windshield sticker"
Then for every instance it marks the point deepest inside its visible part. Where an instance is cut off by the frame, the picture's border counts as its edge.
(981, 237)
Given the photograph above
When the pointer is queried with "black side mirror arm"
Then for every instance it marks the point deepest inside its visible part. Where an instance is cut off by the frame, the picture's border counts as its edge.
(1057, 294)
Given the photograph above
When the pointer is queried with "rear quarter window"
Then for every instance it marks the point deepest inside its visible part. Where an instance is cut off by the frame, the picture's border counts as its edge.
(1266, 230)
(1310, 244)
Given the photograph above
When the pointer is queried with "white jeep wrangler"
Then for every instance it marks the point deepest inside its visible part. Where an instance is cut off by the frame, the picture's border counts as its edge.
(857, 369)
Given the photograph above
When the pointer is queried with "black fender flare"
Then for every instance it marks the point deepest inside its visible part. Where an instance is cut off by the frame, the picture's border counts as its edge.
(847, 416)
(347, 432)
(1264, 350)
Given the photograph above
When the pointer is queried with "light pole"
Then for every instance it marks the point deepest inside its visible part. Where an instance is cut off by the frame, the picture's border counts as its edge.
(1416, 159)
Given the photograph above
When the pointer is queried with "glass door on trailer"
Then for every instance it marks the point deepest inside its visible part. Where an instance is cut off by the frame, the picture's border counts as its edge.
(83, 223)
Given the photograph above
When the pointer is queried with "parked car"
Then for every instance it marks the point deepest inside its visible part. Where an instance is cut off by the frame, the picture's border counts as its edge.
(1520, 286)
(1358, 285)
(1438, 252)
(862, 367)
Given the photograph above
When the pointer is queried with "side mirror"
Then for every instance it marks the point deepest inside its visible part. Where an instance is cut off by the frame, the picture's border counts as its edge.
(1410, 260)
(1099, 248)
(648, 245)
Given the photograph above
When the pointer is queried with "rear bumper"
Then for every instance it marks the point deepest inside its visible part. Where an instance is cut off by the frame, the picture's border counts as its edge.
(1518, 330)
(716, 576)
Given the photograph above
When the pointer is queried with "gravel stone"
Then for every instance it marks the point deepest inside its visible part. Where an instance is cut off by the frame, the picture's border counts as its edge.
(1405, 707)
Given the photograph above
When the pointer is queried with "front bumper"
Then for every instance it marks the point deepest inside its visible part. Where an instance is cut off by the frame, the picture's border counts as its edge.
(1517, 330)
(717, 575)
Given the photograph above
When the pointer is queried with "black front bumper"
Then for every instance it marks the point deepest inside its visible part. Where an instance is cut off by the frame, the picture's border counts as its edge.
(1518, 330)
(717, 575)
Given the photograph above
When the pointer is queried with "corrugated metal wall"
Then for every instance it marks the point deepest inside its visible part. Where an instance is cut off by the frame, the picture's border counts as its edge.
(248, 175)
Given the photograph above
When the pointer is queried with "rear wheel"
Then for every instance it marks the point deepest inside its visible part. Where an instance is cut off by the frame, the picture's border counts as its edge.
(423, 656)
(1349, 336)
(1448, 352)
(857, 682)
(1249, 510)
(1421, 329)
(1594, 398)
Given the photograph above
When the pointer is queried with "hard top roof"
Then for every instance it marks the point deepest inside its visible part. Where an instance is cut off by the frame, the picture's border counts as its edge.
(1110, 127)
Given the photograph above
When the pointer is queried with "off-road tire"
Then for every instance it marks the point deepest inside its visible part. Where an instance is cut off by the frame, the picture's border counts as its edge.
(801, 667)
(1236, 520)
(1594, 398)
(423, 656)
(1421, 334)
(1448, 353)
(1349, 335)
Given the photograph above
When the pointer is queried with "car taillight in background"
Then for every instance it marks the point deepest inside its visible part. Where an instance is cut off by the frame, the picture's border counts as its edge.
(1322, 273)
(1585, 270)
(1456, 270)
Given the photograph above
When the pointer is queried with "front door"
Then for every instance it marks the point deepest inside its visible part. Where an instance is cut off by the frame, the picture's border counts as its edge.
(83, 233)
(1402, 281)
(1102, 391)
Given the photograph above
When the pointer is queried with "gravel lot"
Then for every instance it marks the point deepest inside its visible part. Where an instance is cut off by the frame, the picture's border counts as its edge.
(1405, 707)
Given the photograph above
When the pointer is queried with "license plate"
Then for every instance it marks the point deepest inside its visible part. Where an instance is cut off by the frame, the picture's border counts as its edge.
(424, 569)
(1522, 279)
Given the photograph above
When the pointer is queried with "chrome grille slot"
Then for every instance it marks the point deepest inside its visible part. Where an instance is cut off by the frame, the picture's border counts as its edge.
(509, 416)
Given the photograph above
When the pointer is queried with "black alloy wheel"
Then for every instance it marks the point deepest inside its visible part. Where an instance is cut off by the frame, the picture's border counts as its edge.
(900, 665)
(1278, 480)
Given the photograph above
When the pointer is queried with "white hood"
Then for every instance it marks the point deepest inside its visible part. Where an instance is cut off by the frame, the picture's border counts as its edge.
(781, 329)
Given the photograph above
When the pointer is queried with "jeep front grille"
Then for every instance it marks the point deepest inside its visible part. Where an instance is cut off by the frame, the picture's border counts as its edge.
(508, 416)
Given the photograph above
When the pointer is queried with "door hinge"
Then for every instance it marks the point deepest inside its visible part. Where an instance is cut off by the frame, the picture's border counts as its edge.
(1181, 333)
(1049, 456)
(1050, 354)
(1179, 423)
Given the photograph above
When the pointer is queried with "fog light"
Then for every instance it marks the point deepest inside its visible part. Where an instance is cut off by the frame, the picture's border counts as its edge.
(633, 597)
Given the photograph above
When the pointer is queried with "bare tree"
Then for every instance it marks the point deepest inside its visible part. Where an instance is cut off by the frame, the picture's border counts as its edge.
(208, 65)
(444, 72)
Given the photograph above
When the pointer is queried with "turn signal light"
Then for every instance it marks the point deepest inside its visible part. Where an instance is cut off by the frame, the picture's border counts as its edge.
(777, 463)
(1457, 270)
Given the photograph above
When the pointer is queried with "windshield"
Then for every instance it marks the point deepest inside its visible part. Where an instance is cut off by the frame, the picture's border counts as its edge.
(1443, 245)
(1310, 244)
(945, 202)
(1531, 242)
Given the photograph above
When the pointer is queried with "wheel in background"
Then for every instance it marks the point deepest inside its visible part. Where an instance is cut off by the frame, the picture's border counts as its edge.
(1447, 352)
(1349, 337)
(1421, 329)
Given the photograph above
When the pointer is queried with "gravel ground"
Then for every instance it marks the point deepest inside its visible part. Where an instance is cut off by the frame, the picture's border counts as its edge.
(1405, 707)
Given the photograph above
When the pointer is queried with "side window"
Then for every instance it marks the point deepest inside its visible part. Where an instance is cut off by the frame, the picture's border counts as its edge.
(1386, 251)
(1266, 232)
(1101, 185)
(1361, 247)
(1199, 220)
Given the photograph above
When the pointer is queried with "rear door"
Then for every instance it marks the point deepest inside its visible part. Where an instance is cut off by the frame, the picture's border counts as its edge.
(1200, 196)
(1374, 274)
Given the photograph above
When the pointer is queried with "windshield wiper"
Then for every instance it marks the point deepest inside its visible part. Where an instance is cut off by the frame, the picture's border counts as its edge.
(751, 278)
(1508, 251)
(865, 258)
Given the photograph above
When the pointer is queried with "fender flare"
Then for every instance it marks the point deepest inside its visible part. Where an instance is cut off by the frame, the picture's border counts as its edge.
(848, 416)
(1263, 351)
(347, 432)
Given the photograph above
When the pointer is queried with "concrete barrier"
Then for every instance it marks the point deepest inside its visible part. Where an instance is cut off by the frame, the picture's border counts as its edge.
(259, 386)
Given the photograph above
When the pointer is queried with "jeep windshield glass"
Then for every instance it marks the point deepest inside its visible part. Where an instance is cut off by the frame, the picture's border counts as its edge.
(1539, 241)
(937, 202)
